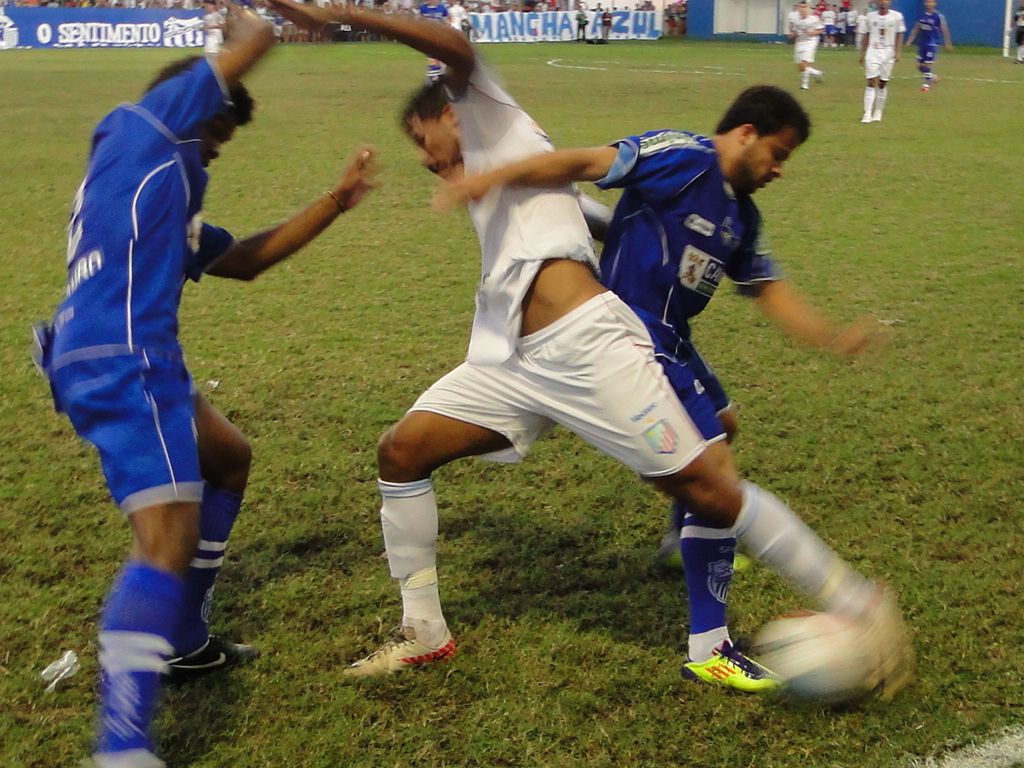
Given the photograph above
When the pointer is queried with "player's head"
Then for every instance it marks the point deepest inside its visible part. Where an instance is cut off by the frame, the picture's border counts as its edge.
(430, 122)
(929, 5)
(883, 6)
(803, 8)
(757, 134)
(221, 128)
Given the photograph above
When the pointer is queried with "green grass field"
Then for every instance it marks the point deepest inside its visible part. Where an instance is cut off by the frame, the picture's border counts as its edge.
(908, 461)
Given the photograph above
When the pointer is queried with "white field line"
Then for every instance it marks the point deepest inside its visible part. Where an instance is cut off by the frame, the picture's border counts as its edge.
(557, 64)
(710, 70)
(1005, 751)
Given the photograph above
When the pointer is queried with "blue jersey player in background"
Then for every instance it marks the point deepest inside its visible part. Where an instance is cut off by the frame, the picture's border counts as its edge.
(174, 465)
(930, 31)
(685, 220)
(434, 10)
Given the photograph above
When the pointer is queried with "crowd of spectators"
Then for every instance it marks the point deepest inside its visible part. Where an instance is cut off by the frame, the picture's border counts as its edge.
(393, 6)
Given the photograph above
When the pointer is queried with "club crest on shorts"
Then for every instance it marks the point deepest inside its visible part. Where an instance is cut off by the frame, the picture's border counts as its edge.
(662, 437)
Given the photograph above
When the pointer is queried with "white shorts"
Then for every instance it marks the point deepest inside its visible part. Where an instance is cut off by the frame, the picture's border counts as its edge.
(593, 371)
(878, 63)
(805, 50)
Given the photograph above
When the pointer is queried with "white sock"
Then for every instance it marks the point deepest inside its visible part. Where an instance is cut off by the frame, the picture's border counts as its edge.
(813, 71)
(772, 533)
(700, 647)
(1020, 53)
(408, 517)
(883, 94)
(805, 79)
(869, 100)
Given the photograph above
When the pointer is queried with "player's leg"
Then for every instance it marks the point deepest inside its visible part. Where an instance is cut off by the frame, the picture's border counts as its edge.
(600, 378)
(137, 628)
(871, 91)
(225, 457)
(138, 414)
(882, 96)
(469, 412)
(925, 64)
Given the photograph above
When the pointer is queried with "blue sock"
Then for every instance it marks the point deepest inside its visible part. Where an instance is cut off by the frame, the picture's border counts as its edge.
(136, 630)
(216, 517)
(708, 550)
(434, 71)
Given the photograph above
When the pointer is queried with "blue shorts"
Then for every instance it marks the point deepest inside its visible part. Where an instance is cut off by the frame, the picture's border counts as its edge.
(698, 389)
(137, 410)
(926, 54)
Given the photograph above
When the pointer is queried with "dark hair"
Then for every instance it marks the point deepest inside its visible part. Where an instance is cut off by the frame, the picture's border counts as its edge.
(769, 110)
(241, 105)
(427, 103)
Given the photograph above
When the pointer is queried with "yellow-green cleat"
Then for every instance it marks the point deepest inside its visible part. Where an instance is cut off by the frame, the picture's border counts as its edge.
(730, 668)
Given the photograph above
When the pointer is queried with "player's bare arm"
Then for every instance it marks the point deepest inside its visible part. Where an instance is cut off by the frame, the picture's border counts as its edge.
(549, 169)
(250, 257)
(251, 37)
(439, 41)
(780, 302)
(946, 36)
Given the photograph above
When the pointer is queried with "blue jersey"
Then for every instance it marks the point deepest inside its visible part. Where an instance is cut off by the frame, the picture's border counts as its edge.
(677, 228)
(135, 232)
(437, 12)
(929, 29)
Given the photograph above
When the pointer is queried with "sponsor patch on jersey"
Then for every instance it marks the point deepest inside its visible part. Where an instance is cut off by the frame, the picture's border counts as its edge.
(700, 225)
(662, 437)
(699, 272)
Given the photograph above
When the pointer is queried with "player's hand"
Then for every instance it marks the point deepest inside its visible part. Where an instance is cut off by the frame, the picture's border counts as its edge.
(458, 192)
(242, 23)
(857, 338)
(358, 178)
(308, 16)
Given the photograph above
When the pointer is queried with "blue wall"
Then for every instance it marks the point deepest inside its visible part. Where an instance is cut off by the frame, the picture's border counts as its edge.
(971, 22)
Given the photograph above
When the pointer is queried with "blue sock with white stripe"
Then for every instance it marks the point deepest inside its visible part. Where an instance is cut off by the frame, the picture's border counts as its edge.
(216, 517)
(138, 624)
(708, 550)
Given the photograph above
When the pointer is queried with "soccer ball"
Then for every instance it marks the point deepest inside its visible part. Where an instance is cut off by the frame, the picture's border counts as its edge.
(822, 658)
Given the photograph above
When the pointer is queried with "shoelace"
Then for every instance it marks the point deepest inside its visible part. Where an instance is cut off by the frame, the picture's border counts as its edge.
(749, 667)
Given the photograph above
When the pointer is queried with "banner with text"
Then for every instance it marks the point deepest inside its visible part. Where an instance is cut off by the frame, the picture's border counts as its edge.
(552, 26)
(99, 28)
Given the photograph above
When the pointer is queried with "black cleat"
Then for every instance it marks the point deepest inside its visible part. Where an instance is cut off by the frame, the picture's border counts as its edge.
(216, 654)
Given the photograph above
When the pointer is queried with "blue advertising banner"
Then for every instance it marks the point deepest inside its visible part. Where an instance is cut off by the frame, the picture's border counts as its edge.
(553, 26)
(99, 28)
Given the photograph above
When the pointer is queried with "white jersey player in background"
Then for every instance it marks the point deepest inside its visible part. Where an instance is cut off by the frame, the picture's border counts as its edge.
(805, 33)
(882, 34)
(458, 16)
(791, 19)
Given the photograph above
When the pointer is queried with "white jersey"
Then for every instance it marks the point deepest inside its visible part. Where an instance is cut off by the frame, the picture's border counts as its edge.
(807, 29)
(456, 15)
(792, 19)
(518, 228)
(882, 30)
(828, 18)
